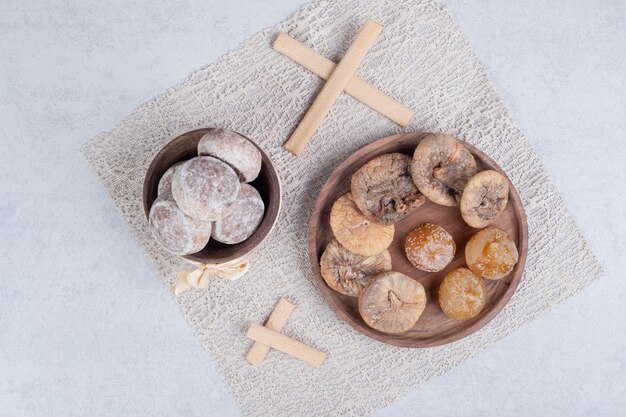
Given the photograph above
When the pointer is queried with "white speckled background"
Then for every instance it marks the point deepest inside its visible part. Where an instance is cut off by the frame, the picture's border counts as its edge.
(105, 337)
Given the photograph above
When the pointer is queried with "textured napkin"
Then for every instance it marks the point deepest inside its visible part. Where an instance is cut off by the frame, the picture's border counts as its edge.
(423, 60)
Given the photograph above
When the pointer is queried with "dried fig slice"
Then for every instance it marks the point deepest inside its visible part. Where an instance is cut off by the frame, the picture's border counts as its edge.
(383, 188)
(355, 232)
(392, 302)
(485, 197)
(462, 294)
(347, 272)
(429, 247)
(491, 253)
(441, 167)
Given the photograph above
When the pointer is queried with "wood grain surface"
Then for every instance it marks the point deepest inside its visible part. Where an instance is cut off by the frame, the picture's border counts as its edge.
(433, 328)
(184, 147)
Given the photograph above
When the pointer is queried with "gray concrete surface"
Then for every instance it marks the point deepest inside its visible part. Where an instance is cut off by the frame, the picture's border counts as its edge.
(87, 329)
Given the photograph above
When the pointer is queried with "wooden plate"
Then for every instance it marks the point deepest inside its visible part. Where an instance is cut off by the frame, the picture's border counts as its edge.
(433, 328)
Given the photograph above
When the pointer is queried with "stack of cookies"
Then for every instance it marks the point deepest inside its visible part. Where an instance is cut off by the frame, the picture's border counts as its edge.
(209, 196)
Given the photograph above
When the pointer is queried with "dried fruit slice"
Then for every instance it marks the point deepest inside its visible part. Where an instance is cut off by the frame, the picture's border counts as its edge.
(491, 253)
(441, 167)
(347, 272)
(429, 247)
(392, 302)
(462, 294)
(383, 188)
(355, 232)
(485, 197)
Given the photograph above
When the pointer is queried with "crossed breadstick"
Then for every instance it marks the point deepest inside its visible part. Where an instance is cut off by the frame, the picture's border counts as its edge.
(340, 77)
(270, 336)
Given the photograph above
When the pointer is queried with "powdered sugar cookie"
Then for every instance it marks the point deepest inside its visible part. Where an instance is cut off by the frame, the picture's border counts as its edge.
(204, 187)
(174, 230)
(245, 217)
(165, 183)
(238, 152)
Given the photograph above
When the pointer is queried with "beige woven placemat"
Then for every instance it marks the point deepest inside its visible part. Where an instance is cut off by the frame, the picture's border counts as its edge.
(424, 61)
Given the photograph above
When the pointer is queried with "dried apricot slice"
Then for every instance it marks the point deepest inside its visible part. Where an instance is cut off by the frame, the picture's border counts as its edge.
(429, 247)
(462, 294)
(491, 253)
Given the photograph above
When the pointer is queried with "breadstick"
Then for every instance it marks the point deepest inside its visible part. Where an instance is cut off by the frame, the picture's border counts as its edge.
(276, 322)
(356, 87)
(286, 344)
(334, 86)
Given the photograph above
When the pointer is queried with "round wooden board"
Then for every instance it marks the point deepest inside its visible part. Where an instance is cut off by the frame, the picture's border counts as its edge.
(433, 328)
